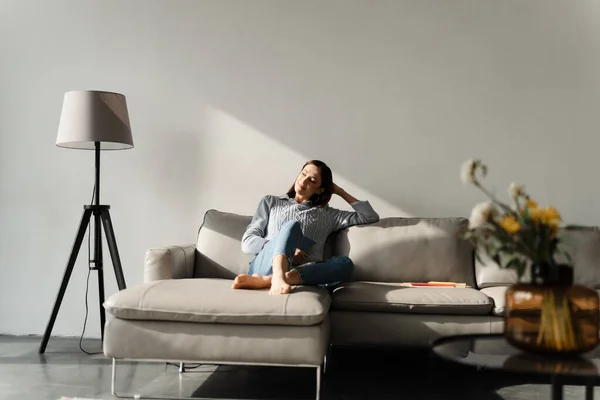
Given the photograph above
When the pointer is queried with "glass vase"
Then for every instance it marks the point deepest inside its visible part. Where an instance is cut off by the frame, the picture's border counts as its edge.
(551, 315)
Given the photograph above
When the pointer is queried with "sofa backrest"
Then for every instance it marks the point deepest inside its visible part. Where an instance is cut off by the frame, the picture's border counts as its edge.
(409, 250)
(581, 242)
(391, 250)
(219, 253)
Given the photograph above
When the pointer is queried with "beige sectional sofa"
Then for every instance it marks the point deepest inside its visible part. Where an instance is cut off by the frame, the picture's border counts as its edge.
(185, 309)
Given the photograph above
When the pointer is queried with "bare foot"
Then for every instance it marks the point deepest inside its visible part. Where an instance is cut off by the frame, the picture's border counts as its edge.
(251, 282)
(278, 282)
(279, 285)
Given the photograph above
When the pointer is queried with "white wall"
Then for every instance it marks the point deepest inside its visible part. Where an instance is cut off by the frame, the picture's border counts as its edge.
(228, 98)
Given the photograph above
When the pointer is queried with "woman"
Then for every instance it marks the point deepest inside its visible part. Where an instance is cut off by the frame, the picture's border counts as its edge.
(287, 234)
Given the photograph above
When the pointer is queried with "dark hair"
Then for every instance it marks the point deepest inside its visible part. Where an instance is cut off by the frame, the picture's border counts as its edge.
(318, 199)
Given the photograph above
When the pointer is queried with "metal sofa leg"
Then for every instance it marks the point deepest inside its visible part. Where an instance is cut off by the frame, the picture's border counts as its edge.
(113, 377)
(326, 359)
(319, 372)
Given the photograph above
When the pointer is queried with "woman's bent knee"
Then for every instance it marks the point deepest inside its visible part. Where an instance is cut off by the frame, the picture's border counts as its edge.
(343, 261)
(344, 266)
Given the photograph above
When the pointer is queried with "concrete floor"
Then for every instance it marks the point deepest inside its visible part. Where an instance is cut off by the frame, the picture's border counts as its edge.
(64, 370)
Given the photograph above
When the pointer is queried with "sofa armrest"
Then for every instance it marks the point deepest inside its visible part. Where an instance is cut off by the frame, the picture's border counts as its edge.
(170, 262)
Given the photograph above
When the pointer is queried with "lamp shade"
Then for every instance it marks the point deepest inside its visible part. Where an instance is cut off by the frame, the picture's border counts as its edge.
(90, 116)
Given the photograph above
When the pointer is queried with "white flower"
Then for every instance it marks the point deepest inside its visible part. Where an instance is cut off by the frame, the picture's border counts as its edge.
(467, 172)
(515, 190)
(480, 214)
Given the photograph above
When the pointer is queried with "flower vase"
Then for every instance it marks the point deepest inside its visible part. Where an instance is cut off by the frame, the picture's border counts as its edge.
(551, 315)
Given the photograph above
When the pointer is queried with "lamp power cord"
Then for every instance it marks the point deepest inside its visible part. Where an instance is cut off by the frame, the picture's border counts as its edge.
(87, 285)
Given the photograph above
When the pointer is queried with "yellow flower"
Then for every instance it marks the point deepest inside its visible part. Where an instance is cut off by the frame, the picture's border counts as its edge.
(510, 224)
(551, 216)
(548, 216)
(536, 214)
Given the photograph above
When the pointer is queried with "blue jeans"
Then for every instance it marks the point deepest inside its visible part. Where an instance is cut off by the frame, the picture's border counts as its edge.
(327, 273)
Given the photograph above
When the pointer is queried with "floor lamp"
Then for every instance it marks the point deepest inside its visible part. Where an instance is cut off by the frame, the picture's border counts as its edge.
(93, 120)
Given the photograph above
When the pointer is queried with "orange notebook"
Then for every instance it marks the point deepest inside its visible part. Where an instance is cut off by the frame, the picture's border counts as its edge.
(436, 283)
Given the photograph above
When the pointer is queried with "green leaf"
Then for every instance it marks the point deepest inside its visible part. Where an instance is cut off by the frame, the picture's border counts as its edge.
(518, 265)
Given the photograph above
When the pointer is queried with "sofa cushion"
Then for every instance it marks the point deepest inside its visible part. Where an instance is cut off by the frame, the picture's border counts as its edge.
(214, 301)
(357, 328)
(409, 250)
(212, 343)
(396, 298)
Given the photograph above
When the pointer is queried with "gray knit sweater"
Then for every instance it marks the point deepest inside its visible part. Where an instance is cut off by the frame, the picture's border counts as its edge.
(317, 223)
